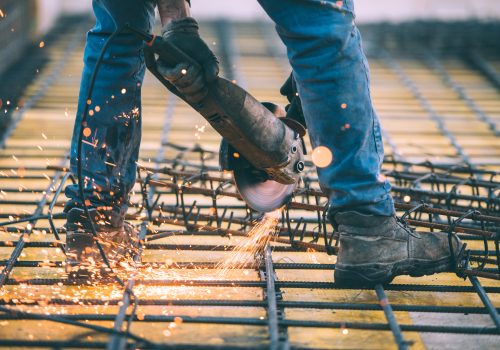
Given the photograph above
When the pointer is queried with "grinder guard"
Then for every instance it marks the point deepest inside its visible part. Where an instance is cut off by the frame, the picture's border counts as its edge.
(259, 191)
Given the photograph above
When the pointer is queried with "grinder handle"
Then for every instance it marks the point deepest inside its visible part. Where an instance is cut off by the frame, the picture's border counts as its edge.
(170, 55)
(150, 60)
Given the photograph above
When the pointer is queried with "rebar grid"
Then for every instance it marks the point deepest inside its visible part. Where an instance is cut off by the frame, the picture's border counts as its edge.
(182, 180)
(182, 195)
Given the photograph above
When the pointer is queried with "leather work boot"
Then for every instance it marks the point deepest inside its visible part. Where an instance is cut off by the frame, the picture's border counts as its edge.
(375, 249)
(83, 258)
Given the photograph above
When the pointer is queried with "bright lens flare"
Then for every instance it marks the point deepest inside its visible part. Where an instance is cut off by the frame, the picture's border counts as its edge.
(248, 247)
(322, 156)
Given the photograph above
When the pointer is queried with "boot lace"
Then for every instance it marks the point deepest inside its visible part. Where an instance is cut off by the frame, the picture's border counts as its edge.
(401, 221)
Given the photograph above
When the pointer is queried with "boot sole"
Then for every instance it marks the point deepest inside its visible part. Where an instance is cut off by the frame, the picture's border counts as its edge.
(368, 275)
(81, 269)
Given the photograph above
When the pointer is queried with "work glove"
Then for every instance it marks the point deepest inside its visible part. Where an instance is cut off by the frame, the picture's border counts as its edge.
(294, 108)
(190, 80)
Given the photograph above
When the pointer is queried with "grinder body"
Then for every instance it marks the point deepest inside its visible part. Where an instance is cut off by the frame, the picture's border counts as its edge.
(268, 151)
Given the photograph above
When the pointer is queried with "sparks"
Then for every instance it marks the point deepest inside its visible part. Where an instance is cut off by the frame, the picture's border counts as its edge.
(248, 247)
(89, 143)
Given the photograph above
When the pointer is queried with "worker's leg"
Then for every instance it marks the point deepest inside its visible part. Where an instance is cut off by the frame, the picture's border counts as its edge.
(324, 49)
(113, 131)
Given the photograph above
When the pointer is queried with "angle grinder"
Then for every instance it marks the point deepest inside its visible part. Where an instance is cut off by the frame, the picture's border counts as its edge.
(262, 148)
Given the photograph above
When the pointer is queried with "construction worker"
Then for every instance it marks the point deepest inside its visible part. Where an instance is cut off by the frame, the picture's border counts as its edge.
(331, 76)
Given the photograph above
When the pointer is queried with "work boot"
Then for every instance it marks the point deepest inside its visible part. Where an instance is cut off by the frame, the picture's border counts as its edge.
(83, 258)
(375, 249)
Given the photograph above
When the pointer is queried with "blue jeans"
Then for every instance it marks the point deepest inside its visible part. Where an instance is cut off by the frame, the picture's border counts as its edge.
(331, 71)
(113, 132)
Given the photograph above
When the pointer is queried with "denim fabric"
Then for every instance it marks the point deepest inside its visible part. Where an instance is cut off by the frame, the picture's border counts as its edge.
(110, 152)
(332, 75)
(324, 49)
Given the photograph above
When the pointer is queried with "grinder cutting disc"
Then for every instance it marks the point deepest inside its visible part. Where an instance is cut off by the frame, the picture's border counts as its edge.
(263, 196)
(260, 193)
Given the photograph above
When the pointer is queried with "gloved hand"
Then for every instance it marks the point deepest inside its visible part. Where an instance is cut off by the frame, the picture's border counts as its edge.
(189, 80)
(294, 108)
